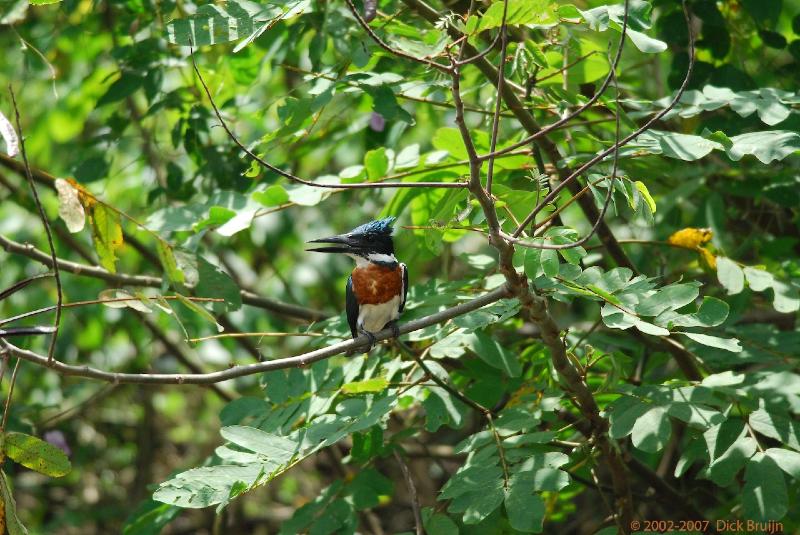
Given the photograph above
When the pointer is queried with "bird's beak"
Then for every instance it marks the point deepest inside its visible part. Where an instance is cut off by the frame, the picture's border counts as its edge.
(342, 244)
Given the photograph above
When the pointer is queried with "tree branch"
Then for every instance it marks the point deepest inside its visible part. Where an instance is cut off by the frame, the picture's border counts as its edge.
(297, 179)
(298, 361)
(121, 279)
(56, 275)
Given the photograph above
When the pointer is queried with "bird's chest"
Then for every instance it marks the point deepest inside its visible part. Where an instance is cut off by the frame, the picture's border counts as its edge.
(375, 284)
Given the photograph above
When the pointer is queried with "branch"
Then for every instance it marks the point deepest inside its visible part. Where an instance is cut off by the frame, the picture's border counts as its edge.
(297, 179)
(569, 180)
(535, 309)
(384, 45)
(362, 342)
(56, 275)
(532, 126)
(412, 492)
(121, 279)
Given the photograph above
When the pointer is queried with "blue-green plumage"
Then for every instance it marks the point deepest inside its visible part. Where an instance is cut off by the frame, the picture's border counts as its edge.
(376, 290)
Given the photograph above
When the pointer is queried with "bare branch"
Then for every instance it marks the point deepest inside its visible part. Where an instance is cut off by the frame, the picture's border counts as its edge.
(121, 279)
(412, 492)
(583, 168)
(384, 45)
(295, 178)
(498, 98)
(298, 361)
(56, 275)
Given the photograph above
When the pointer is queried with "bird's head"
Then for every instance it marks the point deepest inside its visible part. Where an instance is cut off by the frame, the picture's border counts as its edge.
(371, 241)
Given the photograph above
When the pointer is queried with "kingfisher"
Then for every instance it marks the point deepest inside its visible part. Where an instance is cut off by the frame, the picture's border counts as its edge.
(377, 287)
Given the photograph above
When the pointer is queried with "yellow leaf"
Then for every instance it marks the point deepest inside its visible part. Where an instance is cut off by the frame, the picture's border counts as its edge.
(708, 258)
(691, 238)
(107, 235)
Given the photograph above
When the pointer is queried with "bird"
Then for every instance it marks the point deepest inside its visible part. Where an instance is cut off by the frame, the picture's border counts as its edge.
(378, 286)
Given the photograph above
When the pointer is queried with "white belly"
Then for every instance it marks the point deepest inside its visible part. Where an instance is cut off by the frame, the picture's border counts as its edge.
(373, 318)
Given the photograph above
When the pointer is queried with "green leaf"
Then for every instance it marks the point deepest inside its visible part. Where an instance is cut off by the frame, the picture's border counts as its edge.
(764, 494)
(787, 460)
(652, 430)
(167, 257)
(272, 196)
(478, 504)
(712, 312)
(215, 283)
(107, 235)
(442, 408)
(376, 163)
(207, 485)
(535, 12)
(730, 275)
(490, 351)
(376, 384)
(212, 24)
(123, 87)
(525, 509)
(549, 259)
(438, 524)
(150, 518)
(199, 310)
(566, 236)
(728, 344)
(669, 297)
(12, 523)
(681, 146)
(533, 262)
(777, 426)
(36, 454)
(277, 449)
(767, 146)
(367, 488)
(449, 139)
(649, 328)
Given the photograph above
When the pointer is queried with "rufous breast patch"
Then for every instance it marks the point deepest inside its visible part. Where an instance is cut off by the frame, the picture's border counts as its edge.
(375, 284)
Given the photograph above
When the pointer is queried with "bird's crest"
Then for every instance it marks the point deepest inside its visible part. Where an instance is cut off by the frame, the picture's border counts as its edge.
(379, 227)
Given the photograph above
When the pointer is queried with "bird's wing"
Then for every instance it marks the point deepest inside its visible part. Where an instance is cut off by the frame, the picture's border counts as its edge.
(404, 294)
(352, 307)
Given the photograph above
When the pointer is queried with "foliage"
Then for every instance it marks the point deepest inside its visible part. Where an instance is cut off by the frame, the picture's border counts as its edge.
(645, 364)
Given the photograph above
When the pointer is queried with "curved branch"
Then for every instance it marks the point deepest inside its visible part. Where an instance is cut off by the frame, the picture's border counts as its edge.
(56, 275)
(297, 179)
(646, 126)
(121, 279)
(298, 361)
(384, 45)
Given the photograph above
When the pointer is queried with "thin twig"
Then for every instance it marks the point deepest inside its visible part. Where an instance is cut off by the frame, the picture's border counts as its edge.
(121, 279)
(381, 43)
(627, 139)
(412, 492)
(498, 99)
(11, 393)
(295, 178)
(253, 335)
(56, 275)
(580, 109)
(606, 202)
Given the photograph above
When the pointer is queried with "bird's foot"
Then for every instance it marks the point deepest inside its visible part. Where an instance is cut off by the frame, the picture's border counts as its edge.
(395, 327)
(371, 338)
